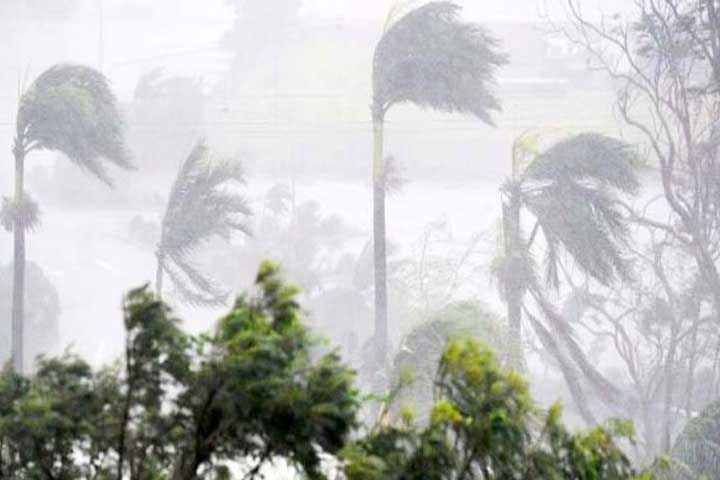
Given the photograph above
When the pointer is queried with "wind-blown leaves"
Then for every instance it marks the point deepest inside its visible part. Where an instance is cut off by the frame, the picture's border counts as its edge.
(202, 205)
(562, 330)
(696, 452)
(25, 213)
(431, 59)
(421, 349)
(571, 190)
(587, 156)
(484, 425)
(71, 109)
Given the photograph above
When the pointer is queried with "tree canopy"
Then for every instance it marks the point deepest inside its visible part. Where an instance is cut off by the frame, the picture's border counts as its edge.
(484, 426)
(181, 406)
(71, 109)
(202, 205)
(431, 59)
(254, 392)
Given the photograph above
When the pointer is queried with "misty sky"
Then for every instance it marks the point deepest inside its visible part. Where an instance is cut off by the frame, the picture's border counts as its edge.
(185, 38)
(516, 10)
(513, 10)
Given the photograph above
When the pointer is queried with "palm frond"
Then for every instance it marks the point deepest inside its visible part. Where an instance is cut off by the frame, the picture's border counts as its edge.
(587, 224)
(25, 213)
(563, 331)
(71, 109)
(420, 350)
(513, 274)
(696, 452)
(572, 190)
(191, 285)
(432, 59)
(204, 203)
(569, 371)
(587, 157)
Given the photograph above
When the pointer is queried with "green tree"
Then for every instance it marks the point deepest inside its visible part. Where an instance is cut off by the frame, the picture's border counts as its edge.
(571, 191)
(484, 426)
(202, 205)
(422, 348)
(69, 109)
(184, 407)
(255, 391)
(431, 59)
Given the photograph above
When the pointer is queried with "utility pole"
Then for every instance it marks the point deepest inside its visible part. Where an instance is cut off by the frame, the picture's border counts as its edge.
(101, 36)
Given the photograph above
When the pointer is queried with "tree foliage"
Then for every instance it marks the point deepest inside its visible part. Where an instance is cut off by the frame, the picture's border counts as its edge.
(252, 392)
(484, 426)
(431, 59)
(71, 109)
(696, 451)
(202, 205)
(572, 191)
(181, 406)
(422, 348)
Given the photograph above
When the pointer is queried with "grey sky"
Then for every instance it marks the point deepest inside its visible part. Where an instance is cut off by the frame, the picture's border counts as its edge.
(515, 10)
(512, 10)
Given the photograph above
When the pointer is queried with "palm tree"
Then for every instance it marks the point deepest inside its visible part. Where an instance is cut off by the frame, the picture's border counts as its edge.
(571, 191)
(431, 59)
(69, 109)
(694, 454)
(421, 349)
(202, 205)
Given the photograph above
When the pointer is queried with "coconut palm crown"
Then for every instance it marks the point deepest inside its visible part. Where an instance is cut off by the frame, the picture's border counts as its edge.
(571, 191)
(71, 109)
(203, 204)
(431, 59)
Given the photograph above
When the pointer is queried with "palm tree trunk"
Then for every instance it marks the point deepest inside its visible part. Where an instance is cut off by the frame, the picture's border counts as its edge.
(18, 305)
(159, 276)
(692, 363)
(669, 374)
(515, 283)
(380, 258)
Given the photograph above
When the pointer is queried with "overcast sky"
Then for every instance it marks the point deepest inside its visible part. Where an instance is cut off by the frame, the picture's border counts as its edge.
(518, 10)
(513, 10)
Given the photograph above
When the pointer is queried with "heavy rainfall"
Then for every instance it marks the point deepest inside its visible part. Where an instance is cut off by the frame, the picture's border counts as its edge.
(360, 240)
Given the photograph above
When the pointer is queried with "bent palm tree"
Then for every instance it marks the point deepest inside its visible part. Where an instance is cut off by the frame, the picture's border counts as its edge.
(68, 109)
(571, 191)
(201, 206)
(431, 59)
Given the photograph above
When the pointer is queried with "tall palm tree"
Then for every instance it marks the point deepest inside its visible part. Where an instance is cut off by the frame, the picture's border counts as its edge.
(69, 109)
(431, 59)
(571, 192)
(202, 205)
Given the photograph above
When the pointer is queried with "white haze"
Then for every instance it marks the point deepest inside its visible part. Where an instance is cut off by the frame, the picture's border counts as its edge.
(300, 97)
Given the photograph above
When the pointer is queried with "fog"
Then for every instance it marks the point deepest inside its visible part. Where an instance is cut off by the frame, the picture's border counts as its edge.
(618, 320)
